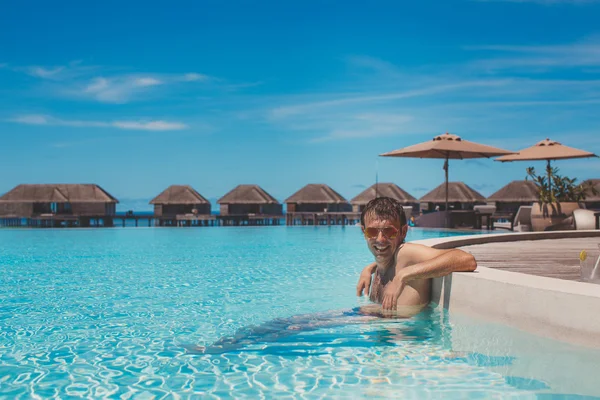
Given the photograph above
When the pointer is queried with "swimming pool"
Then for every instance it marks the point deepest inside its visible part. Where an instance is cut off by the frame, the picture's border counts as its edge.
(115, 312)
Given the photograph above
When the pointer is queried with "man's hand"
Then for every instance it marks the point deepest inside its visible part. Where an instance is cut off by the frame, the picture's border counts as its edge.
(392, 292)
(364, 282)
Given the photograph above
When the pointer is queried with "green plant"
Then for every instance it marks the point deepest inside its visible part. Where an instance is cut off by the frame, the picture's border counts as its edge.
(554, 188)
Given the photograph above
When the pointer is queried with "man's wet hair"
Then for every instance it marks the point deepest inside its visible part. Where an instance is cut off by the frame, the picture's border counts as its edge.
(384, 208)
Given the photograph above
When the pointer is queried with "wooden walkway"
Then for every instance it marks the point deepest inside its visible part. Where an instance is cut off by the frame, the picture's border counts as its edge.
(554, 258)
(322, 218)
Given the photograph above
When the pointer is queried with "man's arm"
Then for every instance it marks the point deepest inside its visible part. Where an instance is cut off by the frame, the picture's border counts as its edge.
(364, 281)
(427, 263)
(433, 263)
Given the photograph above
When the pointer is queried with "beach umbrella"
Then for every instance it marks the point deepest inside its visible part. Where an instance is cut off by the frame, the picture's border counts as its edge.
(547, 150)
(447, 147)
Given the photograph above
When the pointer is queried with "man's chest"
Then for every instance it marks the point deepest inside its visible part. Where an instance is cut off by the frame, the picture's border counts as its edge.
(377, 288)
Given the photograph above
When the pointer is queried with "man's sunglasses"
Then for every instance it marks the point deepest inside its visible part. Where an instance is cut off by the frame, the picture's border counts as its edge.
(389, 232)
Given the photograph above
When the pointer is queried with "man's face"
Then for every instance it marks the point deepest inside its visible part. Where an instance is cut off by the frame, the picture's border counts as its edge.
(383, 237)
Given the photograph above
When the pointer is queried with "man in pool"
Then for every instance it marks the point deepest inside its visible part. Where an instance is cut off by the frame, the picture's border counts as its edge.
(403, 271)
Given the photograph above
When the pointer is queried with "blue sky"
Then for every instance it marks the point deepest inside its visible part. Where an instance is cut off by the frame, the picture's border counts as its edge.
(136, 96)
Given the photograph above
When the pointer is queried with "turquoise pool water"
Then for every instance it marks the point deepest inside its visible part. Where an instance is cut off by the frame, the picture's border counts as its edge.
(118, 313)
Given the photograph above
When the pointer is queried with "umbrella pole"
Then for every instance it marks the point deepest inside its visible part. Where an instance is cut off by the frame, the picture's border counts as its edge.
(446, 209)
(376, 178)
(549, 173)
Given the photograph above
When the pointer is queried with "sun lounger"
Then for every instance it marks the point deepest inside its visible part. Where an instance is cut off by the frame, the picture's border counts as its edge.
(584, 219)
(522, 221)
(518, 222)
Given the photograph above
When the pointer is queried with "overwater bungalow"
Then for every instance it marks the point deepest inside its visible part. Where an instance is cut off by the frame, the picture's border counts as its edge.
(461, 200)
(592, 201)
(514, 195)
(55, 205)
(249, 205)
(460, 197)
(384, 190)
(181, 205)
(317, 204)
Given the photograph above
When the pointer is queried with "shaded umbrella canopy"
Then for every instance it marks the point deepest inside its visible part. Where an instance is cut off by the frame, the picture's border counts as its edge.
(516, 192)
(546, 150)
(448, 146)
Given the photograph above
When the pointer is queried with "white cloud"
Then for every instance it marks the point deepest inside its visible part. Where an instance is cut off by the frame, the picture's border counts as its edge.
(347, 123)
(75, 80)
(31, 119)
(539, 58)
(150, 126)
(119, 89)
(147, 81)
(429, 101)
(530, 103)
(97, 85)
(125, 88)
(103, 84)
(193, 77)
(155, 125)
(367, 126)
(375, 66)
(44, 73)
(72, 71)
(287, 111)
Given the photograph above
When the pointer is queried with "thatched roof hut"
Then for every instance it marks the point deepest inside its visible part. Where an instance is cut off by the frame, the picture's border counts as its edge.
(315, 192)
(317, 198)
(27, 200)
(460, 196)
(74, 193)
(180, 199)
(249, 199)
(516, 192)
(382, 190)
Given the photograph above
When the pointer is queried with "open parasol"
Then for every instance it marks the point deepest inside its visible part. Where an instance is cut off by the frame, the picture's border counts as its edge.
(546, 150)
(447, 147)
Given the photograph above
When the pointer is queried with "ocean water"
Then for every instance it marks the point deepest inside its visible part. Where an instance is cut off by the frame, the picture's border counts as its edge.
(248, 312)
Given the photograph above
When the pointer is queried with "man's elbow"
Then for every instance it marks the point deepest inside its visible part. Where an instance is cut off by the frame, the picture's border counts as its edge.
(463, 261)
(469, 263)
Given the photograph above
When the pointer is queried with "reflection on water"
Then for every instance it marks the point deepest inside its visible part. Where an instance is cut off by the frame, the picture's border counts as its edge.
(119, 313)
(398, 355)
(275, 334)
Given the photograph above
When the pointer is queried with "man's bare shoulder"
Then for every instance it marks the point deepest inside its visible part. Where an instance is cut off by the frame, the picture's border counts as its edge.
(413, 253)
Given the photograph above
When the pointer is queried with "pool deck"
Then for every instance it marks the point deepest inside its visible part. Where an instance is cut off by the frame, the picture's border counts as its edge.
(552, 258)
(516, 283)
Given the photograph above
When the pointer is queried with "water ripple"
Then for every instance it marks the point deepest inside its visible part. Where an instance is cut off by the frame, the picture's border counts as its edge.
(112, 313)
